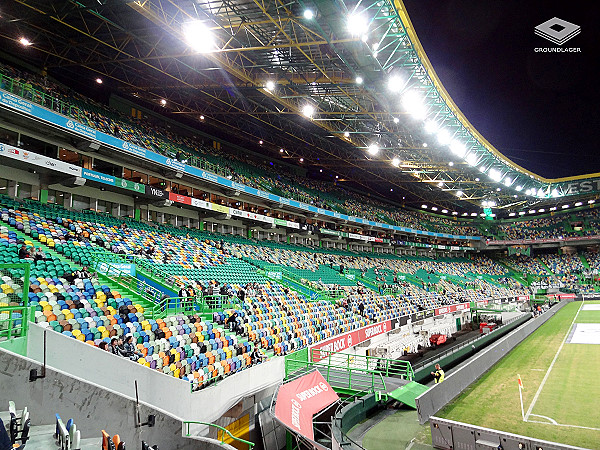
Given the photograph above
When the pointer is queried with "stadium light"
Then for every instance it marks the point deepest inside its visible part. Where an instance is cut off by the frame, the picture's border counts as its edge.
(301, 160)
(357, 24)
(471, 159)
(434, 208)
(260, 142)
(578, 204)
(199, 37)
(553, 208)
(512, 214)
(507, 181)
(591, 202)
(443, 137)
(532, 211)
(458, 148)
(519, 188)
(280, 150)
(373, 149)
(270, 85)
(564, 206)
(308, 14)
(413, 103)
(395, 83)
(440, 184)
(396, 120)
(424, 206)
(555, 193)
(521, 213)
(542, 210)
(424, 144)
(99, 80)
(450, 163)
(346, 134)
(202, 117)
(359, 80)
(476, 179)
(454, 213)
(460, 193)
(396, 161)
(25, 42)
(495, 175)
(163, 102)
(473, 214)
(431, 126)
(308, 110)
(482, 169)
(445, 211)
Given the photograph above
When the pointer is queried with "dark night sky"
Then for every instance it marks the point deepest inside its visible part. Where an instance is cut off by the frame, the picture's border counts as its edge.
(542, 110)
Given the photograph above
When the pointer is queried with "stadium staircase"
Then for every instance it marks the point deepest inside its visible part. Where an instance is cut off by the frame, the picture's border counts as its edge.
(543, 264)
(584, 261)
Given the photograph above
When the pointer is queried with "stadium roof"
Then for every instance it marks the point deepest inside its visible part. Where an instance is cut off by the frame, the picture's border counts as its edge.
(346, 86)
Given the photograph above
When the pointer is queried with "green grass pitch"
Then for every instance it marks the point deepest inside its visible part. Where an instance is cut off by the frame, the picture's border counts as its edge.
(570, 397)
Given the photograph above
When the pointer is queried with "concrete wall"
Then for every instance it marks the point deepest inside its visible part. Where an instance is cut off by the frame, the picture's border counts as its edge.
(439, 395)
(155, 388)
(448, 434)
(92, 407)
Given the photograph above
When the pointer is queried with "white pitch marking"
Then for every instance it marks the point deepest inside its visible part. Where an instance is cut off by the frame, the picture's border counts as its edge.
(562, 344)
(562, 424)
(550, 419)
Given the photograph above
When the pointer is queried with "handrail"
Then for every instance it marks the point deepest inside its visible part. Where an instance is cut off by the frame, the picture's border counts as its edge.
(187, 423)
(387, 367)
(12, 331)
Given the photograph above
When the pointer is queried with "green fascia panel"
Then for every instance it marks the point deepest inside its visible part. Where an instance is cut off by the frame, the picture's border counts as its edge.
(407, 393)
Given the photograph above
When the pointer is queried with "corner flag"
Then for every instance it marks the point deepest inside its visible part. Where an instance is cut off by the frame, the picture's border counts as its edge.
(521, 395)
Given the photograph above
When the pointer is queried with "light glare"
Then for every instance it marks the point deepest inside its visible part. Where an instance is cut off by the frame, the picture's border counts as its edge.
(199, 37)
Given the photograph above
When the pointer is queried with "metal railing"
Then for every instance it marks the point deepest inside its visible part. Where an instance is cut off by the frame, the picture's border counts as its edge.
(387, 367)
(225, 433)
(12, 327)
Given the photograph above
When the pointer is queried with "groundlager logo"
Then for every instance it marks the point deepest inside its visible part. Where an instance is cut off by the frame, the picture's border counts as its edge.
(557, 31)
(70, 124)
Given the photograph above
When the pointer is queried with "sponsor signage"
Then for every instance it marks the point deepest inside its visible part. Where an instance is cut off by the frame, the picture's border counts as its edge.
(347, 340)
(130, 185)
(274, 275)
(299, 400)
(452, 308)
(155, 192)
(178, 198)
(39, 160)
(116, 268)
(97, 176)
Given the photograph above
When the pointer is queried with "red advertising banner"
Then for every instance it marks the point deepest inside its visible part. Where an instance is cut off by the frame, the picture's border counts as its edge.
(452, 308)
(523, 298)
(180, 198)
(299, 400)
(349, 339)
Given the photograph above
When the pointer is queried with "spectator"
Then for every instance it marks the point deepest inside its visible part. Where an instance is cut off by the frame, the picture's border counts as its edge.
(232, 321)
(128, 349)
(24, 252)
(438, 375)
(114, 346)
(183, 295)
(103, 346)
(39, 255)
